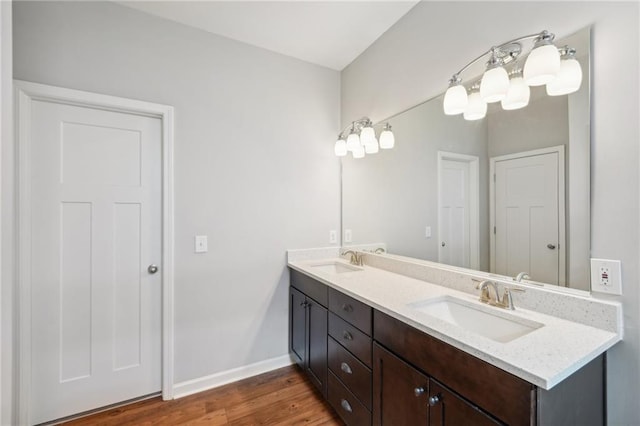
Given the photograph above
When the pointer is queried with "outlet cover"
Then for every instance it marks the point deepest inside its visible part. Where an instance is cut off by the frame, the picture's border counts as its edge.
(347, 236)
(333, 236)
(201, 244)
(606, 276)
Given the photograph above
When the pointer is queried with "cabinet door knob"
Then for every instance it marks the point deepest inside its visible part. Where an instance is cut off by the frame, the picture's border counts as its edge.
(418, 391)
(551, 246)
(347, 308)
(347, 335)
(304, 304)
(433, 400)
(346, 406)
(345, 367)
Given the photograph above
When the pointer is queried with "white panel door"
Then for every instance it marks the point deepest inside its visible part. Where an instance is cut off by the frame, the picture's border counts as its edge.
(454, 233)
(527, 218)
(96, 227)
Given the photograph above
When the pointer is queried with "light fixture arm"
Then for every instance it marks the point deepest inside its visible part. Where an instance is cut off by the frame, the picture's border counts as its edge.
(512, 54)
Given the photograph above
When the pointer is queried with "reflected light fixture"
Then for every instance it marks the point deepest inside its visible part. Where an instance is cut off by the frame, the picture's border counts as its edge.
(361, 139)
(518, 94)
(570, 75)
(476, 108)
(507, 80)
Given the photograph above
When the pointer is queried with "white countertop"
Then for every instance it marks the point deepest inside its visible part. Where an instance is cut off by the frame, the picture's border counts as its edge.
(544, 357)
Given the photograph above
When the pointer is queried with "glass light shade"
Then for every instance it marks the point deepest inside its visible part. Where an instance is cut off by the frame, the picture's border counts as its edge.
(368, 136)
(371, 147)
(387, 140)
(340, 148)
(477, 108)
(358, 152)
(569, 78)
(517, 96)
(494, 85)
(455, 100)
(353, 141)
(542, 65)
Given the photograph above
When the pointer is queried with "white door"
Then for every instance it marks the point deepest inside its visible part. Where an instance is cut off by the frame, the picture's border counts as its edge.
(458, 210)
(96, 227)
(529, 199)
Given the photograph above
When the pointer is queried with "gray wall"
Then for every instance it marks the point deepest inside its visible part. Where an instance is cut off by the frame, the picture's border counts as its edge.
(254, 165)
(415, 58)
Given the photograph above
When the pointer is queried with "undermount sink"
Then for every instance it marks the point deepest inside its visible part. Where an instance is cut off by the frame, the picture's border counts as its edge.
(335, 267)
(499, 326)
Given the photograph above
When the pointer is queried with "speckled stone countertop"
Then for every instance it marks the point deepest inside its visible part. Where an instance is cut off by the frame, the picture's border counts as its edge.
(544, 357)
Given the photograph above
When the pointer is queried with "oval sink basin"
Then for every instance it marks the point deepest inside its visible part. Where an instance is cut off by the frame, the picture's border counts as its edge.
(335, 267)
(498, 326)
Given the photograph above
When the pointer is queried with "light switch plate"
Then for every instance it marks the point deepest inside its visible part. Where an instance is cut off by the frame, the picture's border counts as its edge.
(606, 276)
(201, 244)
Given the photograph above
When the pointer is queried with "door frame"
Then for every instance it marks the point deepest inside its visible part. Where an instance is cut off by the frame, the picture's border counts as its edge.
(25, 93)
(562, 249)
(474, 203)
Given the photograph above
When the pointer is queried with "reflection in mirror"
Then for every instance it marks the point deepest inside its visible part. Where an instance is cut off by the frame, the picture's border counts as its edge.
(506, 194)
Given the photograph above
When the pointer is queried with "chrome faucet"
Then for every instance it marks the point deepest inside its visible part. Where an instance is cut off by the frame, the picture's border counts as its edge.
(506, 301)
(522, 276)
(356, 259)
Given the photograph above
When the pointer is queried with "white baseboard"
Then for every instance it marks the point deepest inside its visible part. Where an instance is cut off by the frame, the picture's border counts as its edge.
(225, 377)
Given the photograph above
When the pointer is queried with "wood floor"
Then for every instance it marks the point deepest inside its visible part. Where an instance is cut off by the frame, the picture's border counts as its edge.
(279, 397)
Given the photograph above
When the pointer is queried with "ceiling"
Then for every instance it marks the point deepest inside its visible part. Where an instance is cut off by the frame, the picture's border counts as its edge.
(326, 33)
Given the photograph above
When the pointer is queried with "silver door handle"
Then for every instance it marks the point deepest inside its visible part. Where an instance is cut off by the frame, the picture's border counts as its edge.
(152, 269)
(551, 246)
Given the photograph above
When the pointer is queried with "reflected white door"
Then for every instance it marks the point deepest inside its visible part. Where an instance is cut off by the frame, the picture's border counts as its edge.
(528, 221)
(458, 210)
(96, 227)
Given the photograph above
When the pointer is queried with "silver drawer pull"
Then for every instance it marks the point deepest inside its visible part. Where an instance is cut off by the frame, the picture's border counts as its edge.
(418, 391)
(347, 308)
(346, 406)
(347, 335)
(345, 367)
(435, 399)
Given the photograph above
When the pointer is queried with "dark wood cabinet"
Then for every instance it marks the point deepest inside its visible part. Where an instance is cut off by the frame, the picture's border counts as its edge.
(308, 329)
(376, 369)
(400, 392)
(449, 409)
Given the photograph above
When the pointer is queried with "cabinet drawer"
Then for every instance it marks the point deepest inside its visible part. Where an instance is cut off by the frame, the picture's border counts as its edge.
(351, 310)
(312, 288)
(354, 374)
(510, 398)
(346, 405)
(358, 343)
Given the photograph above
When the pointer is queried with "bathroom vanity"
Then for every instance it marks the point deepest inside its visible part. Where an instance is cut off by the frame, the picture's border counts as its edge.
(375, 344)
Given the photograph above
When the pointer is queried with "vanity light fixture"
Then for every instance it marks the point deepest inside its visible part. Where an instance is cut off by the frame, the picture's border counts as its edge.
(361, 139)
(506, 80)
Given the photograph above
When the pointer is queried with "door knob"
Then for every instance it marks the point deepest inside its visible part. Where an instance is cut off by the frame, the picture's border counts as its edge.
(152, 268)
(443, 244)
(551, 246)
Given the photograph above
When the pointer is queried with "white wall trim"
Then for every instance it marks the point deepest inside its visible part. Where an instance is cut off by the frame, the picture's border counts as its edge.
(25, 94)
(200, 384)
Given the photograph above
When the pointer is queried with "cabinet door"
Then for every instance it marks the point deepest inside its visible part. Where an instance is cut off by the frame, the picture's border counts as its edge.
(317, 348)
(448, 409)
(297, 326)
(400, 392)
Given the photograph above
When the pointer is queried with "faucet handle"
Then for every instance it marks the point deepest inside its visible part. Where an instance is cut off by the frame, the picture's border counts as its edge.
(507, 299)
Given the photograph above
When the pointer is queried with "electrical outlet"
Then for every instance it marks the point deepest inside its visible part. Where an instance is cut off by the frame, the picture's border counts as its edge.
(427, 232)
(347, 236)
(333, 236)
(606, 276)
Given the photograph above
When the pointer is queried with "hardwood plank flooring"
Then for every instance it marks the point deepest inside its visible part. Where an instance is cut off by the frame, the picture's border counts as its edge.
(279, 397)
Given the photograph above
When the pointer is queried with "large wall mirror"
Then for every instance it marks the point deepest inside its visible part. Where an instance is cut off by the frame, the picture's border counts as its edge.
(506, 194)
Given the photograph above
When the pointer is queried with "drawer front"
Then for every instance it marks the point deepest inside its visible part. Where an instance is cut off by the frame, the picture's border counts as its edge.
(511, 399)
(312, 288)
(351, 310)
(354, 374)
(358, 343)
(346, 405)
